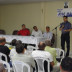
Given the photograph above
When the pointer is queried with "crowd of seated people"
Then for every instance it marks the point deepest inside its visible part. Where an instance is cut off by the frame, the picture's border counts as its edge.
(18, 51)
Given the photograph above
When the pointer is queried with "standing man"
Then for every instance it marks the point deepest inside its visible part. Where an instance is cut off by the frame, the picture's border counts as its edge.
(65, 36)
(24, 31)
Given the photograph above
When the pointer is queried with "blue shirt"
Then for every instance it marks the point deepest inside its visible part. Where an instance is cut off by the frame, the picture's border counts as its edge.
(67, 25)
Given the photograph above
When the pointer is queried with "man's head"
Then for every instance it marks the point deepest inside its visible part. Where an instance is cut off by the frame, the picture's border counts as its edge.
(35, 28)
(2, 41)
(18, 42)
(13, 43)
(66, 65)
(48, 43)
(65, 18)
(41, 46)
(2, 69)
(23, 26)
(20, 48)
(47, 28)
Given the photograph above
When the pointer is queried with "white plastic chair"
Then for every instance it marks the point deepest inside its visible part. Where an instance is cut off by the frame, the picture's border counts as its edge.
(40, 64)
(7, 66)
(58, 50)
(31, 48)
(3, 55)
(18, 66)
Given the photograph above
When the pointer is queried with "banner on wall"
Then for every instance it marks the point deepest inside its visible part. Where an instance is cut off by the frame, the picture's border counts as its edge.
(64, 12)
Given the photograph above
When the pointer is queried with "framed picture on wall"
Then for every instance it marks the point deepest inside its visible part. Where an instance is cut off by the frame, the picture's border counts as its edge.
(66, 4)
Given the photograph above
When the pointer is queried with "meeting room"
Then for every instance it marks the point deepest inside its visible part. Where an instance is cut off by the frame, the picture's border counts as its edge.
(35, 35)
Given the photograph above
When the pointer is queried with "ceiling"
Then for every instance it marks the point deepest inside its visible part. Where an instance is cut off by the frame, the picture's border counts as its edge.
(23, 1)
(20, 1)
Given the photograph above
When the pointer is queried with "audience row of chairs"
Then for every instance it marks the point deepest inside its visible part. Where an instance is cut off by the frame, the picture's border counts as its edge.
(18, 66)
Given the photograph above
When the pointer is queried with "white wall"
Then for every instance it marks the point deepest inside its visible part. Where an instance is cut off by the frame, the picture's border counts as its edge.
(13, 16)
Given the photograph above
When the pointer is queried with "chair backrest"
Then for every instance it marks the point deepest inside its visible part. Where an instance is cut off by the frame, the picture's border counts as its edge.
(15, 32)
(40, 64)
(20, 66)
(2, 32)
(3, 55)
(6, 65)
(31, 48)
(60, 53)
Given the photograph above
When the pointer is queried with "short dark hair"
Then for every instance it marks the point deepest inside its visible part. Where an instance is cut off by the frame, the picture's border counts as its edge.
(66, 64)
(41, 46)
(19, 48)
(13, 43)
(2, 40)
(34, 27)
(23, 25)
(47, 27)
(65, 16)
(18, 42)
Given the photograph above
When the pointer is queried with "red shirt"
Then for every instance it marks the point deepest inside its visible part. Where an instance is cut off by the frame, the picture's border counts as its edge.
(24, 32)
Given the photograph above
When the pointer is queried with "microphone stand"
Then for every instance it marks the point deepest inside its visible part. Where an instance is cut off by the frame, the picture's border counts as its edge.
(56, 35)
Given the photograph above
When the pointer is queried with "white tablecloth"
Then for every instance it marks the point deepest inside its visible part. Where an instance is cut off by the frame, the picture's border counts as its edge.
(24, 39)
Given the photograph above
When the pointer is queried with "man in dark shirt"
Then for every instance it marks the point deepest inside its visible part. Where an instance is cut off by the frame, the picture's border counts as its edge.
(4, 49)
(65, 36)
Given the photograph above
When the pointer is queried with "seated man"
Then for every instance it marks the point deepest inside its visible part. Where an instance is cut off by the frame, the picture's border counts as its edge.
(36, 32)
(4, 49)
(48, 34)
(66, 65)
(2, 69)
(24, 31)
(51, 50)
(21, 56)
(41, 53)
(13, 46)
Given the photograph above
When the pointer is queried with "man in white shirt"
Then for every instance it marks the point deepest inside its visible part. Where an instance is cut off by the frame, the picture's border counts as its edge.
(21, 56)
(43, 54)
(48, 34)
(36, 32)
